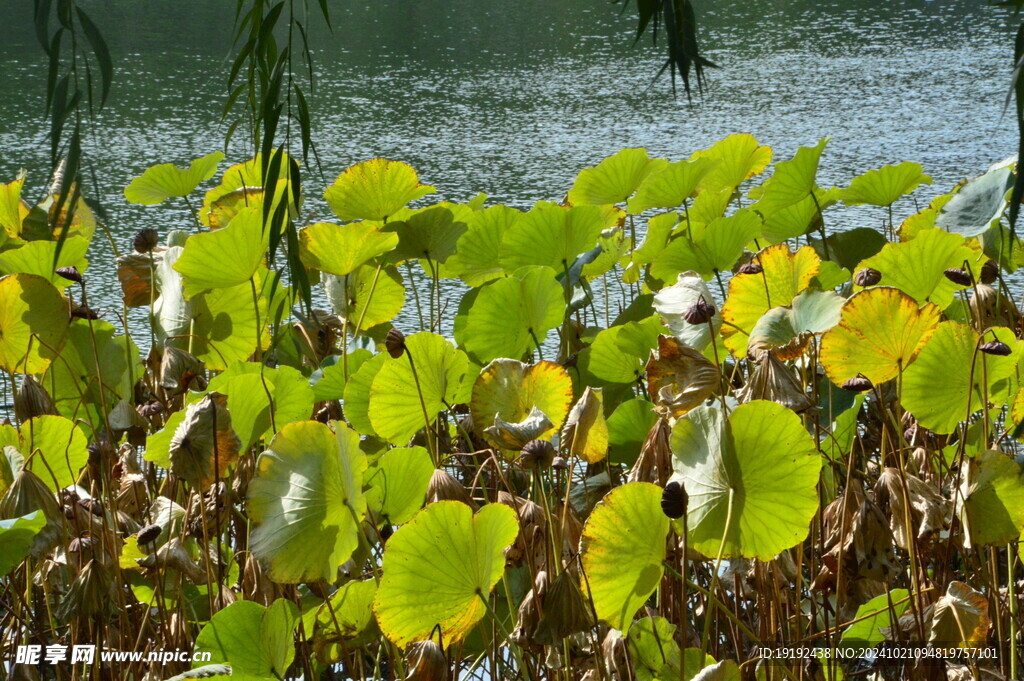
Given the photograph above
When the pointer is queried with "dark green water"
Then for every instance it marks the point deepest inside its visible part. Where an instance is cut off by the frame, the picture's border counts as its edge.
(512, 98)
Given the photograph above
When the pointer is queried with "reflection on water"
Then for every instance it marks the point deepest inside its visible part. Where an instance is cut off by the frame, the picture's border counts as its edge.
(512, 98)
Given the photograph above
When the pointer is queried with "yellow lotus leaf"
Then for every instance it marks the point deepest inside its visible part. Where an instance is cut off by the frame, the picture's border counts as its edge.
(882, 329)
(784, 275)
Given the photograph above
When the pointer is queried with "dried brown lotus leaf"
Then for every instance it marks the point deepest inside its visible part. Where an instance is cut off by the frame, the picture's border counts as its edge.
(857, 534)
(135, 273)
(679, 378)
(929, 511)
(654, 464)
(772, 380)
(178, 368)
(960, 617)
(443, 487)
(204, 446)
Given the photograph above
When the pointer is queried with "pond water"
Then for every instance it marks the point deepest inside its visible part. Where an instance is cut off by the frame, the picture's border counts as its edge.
(513, 97)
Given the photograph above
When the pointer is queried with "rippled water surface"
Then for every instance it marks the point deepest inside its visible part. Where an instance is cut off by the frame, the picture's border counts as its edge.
(512, 98)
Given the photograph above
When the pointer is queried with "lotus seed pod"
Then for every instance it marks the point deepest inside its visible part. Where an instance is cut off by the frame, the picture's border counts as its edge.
(673, 500)
(989, 272)
(699, 313)
(443, 487)
(146, 240)
(750, 268)
(395, 343)
(998, 348)
(32, 400)
(425, 661)
(958, 276)
(867, 277)
(70, 273)
(857, 384)
(537, 454)
(149, 533)
(83, 312)
(559, 463)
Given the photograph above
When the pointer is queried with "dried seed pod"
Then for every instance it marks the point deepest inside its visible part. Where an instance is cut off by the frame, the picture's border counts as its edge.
(70, 273)
(565, 610)
(150, 409)
(395, 343)
(149, 533)
(867, 277)
(996, 348)
(83, 312)
(989, 272)
(559, 463)
(146, 240)
(32, 400)
(959, 276)
(537, 454)
(673, 500)
(443, 487)
(699, 313)
(857, 384)
(92, 506)
(425, 661)
(750, 268)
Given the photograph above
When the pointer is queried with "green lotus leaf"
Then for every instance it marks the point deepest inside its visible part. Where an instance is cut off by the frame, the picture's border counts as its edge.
(401, 397)
(374, 190)
(477, 255)
(16, 537)
(437, 569)
(306, 501)
(34, 321)
(739, 159)
(551, 235)
(628, 427)
(511, 316)
(874, 616)
(342, 249)
(509, 390)
(54, 448)
(226, 257)
(709, 249)
(656, 655)
(92, 357)
(786, 330)
(12, 209)
(623, 548)
(357, 394)
(990, 502)
(849, 248)
(255, 641)
(397, 484)
(619, 354)
(784, 275)
(329, 380)
(346, 622)
(951, 379)
(782, 222)
(614, 179)
(917, 267)
(672, 185)
(161, 182)
(36, 257)
(979, 204)
(242, 185)
(672, 303)
(204, 446)
(659, 229)
(254, 413)
(367, 297)
(224, 329)
(431, 234)
(792, 181)
(881, 331)
(158, 444)
(751, 480)
(884, 186)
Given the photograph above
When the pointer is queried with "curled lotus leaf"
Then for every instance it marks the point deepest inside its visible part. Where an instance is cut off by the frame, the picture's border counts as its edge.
(739, 157)
(161, 182)
(961, 616)
(990, 501)
(341, 249)
(614, 179)
(708, 249)
(884, 186)
(515, 435)
(787, 330)
(510, 390)
(679, 378)
(585, 433)
(244, 183)
(672, 185)
(34, 320)
(135, 273)
(672, 303)
(980, 203)
(881, 331)
(792, 181)
(204, 446)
